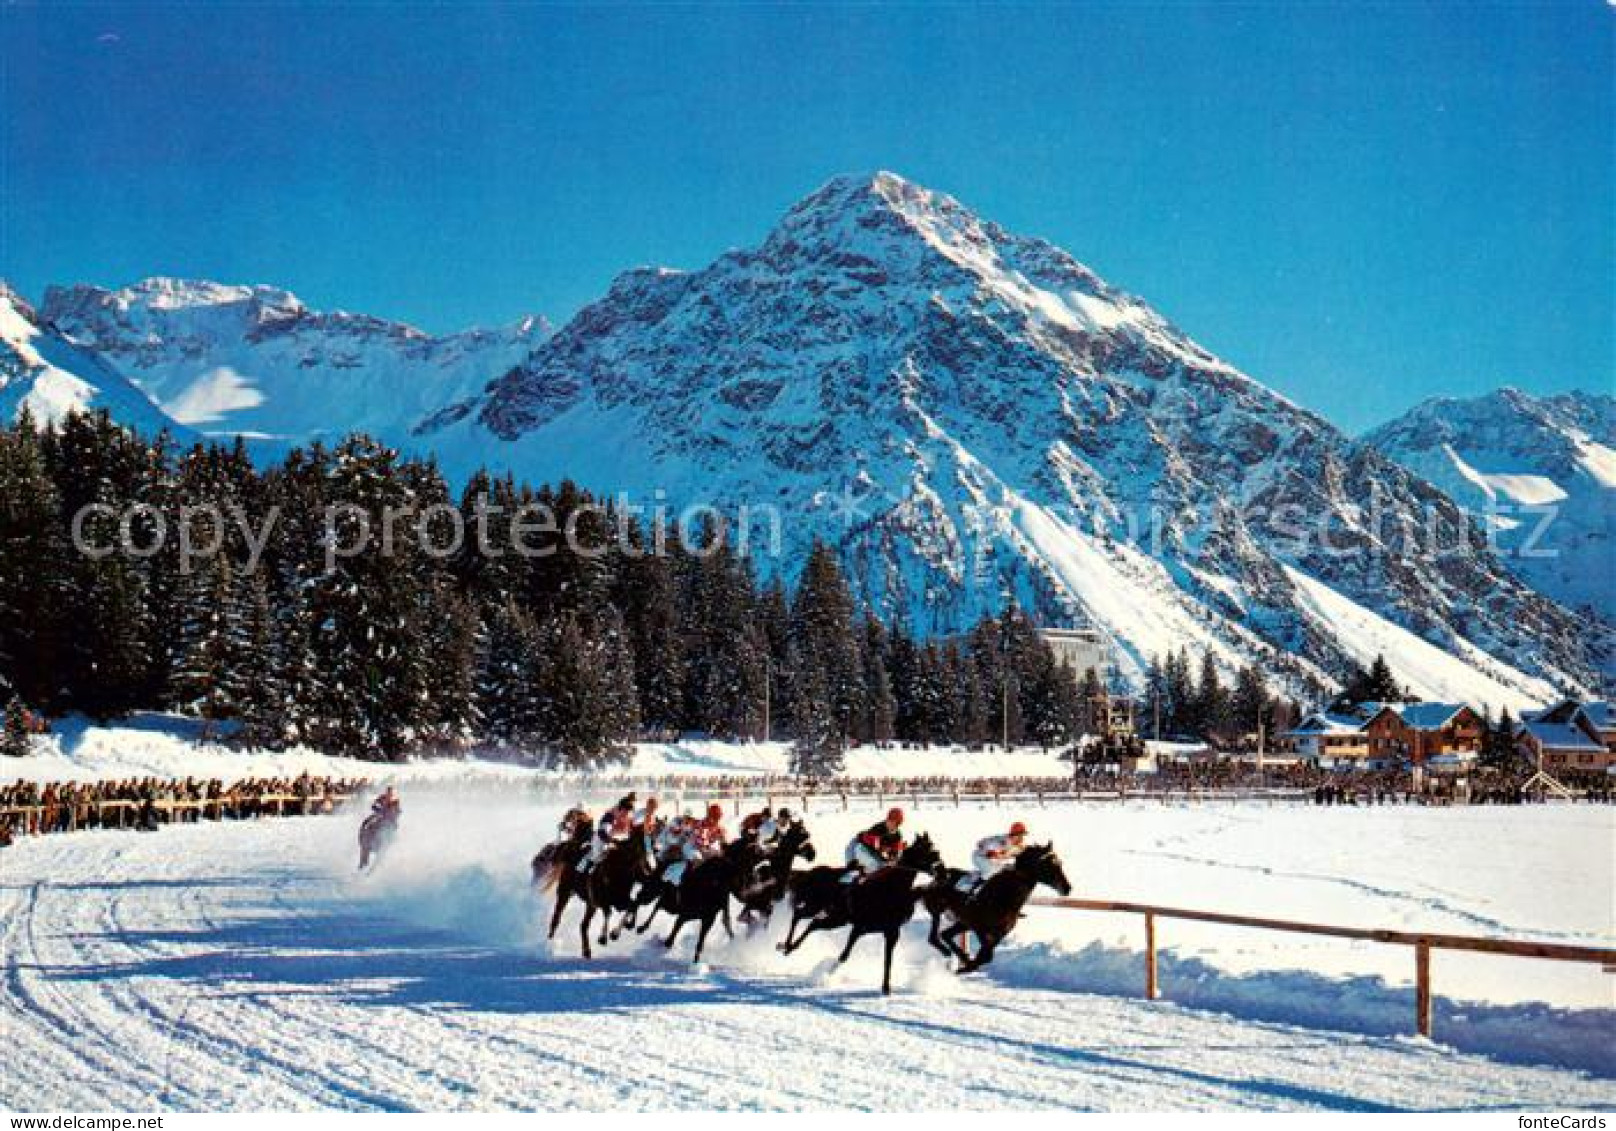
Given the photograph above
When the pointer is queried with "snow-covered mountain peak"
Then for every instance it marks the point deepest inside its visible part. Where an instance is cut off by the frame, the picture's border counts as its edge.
(50, 376)
(256, 360)
(971, 414)
(1539, 471)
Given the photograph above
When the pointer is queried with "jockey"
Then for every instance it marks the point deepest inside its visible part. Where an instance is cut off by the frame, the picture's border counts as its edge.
(386, 806)
(877, 846)
(615, 826)
(704, 840)
(668, 841)
(996, 853)
(752, 825)
(570, 820)
(771, 829)
(646, 818)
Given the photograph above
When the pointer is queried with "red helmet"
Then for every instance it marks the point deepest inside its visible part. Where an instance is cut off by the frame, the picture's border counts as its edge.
(894, 816)
(1018, 829)
(715, 812)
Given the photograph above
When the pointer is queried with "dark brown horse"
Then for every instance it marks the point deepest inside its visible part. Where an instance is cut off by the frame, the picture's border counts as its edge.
(605, 887)
(992, 910)
(703, 896)
(763, 884)
(881, 903)
(375, 834)
(554, 858)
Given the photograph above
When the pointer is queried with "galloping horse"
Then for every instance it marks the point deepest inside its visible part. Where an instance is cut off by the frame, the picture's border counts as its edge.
(990, 912)
(764, 884)
(553, 859)
(376, 832)
(702, 895)
(606, 887)
(881, 903)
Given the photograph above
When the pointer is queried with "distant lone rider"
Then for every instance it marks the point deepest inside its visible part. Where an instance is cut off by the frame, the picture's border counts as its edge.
(877, 846)
(386, 807)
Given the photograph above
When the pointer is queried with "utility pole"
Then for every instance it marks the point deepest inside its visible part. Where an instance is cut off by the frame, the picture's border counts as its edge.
(768, 685)
(1004, 711)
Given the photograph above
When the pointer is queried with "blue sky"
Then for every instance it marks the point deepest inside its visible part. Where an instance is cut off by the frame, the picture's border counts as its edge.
(1360, 205)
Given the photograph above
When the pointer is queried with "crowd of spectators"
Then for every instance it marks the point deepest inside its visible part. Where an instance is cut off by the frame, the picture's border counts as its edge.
(32, 808)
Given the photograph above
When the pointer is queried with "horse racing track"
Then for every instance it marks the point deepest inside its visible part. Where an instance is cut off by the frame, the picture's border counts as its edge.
(247, 966)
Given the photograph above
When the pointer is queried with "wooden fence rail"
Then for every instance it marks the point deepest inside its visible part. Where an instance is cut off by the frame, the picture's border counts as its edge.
(1422, 942)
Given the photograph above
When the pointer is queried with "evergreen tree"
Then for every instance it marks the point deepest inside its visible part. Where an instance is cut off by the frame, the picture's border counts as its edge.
(1249, 704)
(817, 747)
(880, 708)
(508, 695)
(822, 630)
(14, 741)
(34, 565)
(1498, 749)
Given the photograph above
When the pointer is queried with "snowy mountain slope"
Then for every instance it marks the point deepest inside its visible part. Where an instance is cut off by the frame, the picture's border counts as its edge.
(966, 413)
(49, 376)
(255, 360)
(1516, 461)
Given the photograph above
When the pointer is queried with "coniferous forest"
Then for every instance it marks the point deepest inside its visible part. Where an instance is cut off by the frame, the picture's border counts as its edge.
(390, 650)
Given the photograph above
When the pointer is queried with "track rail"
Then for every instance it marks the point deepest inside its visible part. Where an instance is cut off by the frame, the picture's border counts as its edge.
(1423, 942)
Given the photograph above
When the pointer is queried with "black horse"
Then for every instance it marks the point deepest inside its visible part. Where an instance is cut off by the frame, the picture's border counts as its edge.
(763, 884)
(702, 895)
(606, 887)
(991, 911)
(881, 903)
(376, 832)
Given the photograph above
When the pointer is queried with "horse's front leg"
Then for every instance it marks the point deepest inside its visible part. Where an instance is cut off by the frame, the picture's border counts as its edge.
(674, 934)
(984, 953)
(701, 939)
(886, 973)
(562, 896)
(951, 939)
(785, 947)
(728, 929)
(933, 937)
(656, 909)
(853, 936)
(583, 927)
(813, 925)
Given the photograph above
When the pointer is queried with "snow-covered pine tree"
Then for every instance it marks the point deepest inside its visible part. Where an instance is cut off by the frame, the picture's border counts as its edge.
(878, 719)
(647, 592)
(822, 628)
(1249, 704)
(34, 562)
(586, 683)
(966, 691)
(508, 695)
(209, 634)
(14, 739)
(817, 747)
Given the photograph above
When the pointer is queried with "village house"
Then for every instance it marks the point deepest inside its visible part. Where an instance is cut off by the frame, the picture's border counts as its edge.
(1329, 739)
(1419, 731)
(1569, 736)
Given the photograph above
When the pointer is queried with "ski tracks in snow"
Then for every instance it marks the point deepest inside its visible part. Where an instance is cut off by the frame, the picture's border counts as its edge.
(234, 967)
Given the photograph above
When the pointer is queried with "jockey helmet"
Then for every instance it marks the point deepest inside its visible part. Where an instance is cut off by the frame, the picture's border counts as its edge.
(1018, 829)
(715, 812)
(894, 817)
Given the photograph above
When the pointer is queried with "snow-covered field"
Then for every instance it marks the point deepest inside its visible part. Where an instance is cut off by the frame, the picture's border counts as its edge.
(246, 966)
(170, 746)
